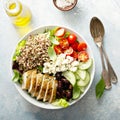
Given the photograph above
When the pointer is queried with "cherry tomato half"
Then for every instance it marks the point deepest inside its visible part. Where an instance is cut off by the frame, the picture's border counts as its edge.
(82, 46)
(60, 32)
(75, 45)
(57, 49)
(74, 55)
(83, 56)
(72, 38)
(68, 51)
(64, 44)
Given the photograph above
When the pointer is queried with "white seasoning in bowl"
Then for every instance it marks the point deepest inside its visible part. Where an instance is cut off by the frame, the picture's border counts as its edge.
(64, 3)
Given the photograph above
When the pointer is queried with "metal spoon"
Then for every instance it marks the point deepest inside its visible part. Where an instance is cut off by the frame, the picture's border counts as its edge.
(111, 72)
(113, 76)
(97, 32)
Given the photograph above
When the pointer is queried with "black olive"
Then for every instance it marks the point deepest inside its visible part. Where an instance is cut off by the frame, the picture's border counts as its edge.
(70, 87)
(63, 93)
(58, 75)
(65, 80)
(64, 89)
(58, 95)
(66, 83)
(59, 86)
(68, 94)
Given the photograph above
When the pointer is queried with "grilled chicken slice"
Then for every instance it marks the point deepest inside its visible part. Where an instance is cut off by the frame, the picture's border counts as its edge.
(39, 79)
(26, 80)
(46, 92)
(54, 89)
(49, 89)
(43, 87)
(33, 82)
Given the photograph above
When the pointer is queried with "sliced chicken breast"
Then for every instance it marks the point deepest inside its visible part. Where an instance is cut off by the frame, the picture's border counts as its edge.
(49, 89)
(43, 87)
(33, 82)
(39, 79)
(26, 80)
(54, 90)
(46, 92)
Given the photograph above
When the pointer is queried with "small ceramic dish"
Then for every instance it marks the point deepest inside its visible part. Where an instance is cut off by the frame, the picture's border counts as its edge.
(64, 7)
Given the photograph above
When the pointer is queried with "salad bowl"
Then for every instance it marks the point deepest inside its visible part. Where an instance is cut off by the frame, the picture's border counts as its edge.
(91, 70)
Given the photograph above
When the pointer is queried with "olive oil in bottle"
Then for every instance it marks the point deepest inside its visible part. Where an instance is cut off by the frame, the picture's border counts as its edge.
(19, 13)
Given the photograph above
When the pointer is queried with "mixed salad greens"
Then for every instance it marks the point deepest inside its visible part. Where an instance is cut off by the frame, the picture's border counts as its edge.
(73, 51)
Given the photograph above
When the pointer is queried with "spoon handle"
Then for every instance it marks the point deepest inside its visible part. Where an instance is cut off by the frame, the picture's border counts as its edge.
(105, 74)
(111, 72)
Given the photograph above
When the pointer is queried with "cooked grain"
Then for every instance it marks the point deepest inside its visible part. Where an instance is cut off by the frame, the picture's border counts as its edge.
(34, 53)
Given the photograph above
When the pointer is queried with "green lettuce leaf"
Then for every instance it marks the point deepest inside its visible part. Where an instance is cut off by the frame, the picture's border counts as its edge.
(17, 77)
(51, 53)
(61, 102)
(52, 31)
(20, 45)
(53, 40)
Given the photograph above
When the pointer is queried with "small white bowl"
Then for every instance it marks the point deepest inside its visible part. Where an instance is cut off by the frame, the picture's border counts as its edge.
(45, 104)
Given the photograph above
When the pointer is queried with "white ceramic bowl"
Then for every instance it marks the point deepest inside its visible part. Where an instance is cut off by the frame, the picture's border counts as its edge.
(47, 105)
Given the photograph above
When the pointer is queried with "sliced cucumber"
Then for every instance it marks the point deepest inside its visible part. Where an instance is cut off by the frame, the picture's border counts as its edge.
(77, 76)
(86, 65)
(76, 92)
(70, 76)
(84, 82)
(81, 73)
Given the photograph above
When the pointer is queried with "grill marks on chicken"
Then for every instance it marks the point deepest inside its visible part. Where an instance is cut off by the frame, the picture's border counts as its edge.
(42, 87)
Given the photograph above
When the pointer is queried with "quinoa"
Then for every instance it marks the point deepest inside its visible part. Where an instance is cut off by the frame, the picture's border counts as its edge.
(34, 53)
